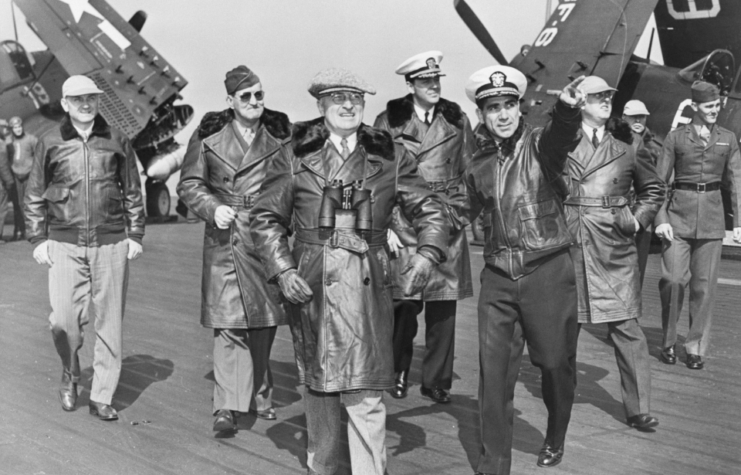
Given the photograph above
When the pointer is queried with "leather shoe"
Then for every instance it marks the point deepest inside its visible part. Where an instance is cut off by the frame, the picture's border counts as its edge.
(694, 361)
(400, 385)
(68, 396)
(549, 456)
(224, 420)
(268, 414)
(668, 356)
(438, 395)
(643, 422)
(104, 412)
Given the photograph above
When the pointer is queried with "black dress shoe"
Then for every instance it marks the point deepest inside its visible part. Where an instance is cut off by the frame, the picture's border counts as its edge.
(104, 412)
(268, 414)
(224, 420)
(643, 422)
(438, 395)
(400, 385)
(68, 396)
(694, 361)
(549, 456)
(668, 356)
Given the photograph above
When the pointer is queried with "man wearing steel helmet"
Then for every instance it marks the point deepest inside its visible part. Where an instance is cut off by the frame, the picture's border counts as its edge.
(702, 156)
(336, 190)
(22, 147)
(528, 292)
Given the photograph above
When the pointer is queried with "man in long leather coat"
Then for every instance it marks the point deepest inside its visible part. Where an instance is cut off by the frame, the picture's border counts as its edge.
(336, 190)
(528, 292)
(702, 156)
(437, 133)
(602, 171)
(224, 167)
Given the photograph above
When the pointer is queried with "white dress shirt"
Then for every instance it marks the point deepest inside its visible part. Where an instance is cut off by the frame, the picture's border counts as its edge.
(421, 113)
(352, 141)
(590, 131)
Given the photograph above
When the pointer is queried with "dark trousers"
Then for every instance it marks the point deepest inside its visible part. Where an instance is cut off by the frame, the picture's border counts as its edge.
(19, 217)
(540, 309)
(3, 206)
(693, 261)
(437, 364)
(643, 245)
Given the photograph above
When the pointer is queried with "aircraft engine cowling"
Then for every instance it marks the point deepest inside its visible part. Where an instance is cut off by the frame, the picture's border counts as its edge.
(160, 167)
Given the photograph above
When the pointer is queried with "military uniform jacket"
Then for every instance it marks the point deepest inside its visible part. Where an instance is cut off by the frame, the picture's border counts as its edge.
(696, 215)
(442, 153)
(221, 170)
(343, 336)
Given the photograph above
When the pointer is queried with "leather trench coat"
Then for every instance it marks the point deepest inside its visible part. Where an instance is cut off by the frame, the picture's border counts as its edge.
(696, 215)
(442, 155)
(605, 254)
(343, 336)
(218, 171)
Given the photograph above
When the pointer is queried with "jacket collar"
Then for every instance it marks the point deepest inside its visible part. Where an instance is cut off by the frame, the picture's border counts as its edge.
(276, 123)
(609, 150)
(69, 132)
(400, 111)
(227, 147)
(486, 142)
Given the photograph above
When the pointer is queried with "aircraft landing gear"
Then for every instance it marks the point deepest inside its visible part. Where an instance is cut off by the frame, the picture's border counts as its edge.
(158, 199)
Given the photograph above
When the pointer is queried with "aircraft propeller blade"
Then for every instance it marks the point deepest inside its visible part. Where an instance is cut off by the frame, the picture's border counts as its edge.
(479, 30)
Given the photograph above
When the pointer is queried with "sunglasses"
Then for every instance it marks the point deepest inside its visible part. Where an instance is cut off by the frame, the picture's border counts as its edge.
(340, 98)
(603, 95)
(247, 96)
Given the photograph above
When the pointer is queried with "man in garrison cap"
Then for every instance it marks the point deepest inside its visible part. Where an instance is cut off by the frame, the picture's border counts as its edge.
(703, 156)
(224, 167)
(528, 293)
(438, 135)
(636, 115)
(602, 172)
(336, 190)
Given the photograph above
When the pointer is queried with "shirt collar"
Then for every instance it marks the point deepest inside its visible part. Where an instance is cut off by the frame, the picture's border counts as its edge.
(84, 133)
(590, 130)
(421, 113)
(352, 141)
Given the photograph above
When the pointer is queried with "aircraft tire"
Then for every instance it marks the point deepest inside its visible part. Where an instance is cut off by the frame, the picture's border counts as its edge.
(158, 200)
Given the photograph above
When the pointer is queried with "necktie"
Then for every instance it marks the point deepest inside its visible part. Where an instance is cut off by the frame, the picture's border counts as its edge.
(427, 118)
(705, 134)
(345, 149)
(248, 135)
(595, 139)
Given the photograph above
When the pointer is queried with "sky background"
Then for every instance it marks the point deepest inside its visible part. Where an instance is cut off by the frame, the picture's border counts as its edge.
(286, 42)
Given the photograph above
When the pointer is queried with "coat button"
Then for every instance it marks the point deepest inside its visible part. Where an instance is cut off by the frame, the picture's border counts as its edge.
(613, 211)
(226, 179)
(328, 282)
(235, 241)
(366, 281)
(447, 160)
(614, 180)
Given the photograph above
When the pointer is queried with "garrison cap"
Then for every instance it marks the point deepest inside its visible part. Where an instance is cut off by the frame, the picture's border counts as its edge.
(494, 81)
(595, 85)
(79, 85)
(239, 78)
(423, 65)
(704, 92)
(336, 79)
(635, 107)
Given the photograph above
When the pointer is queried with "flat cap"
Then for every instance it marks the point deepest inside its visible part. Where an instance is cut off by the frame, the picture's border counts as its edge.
(595, 85)
(635, 107)
(79, 86)
(704, 92)
(423, 65)
(239, 78)
(494, 81)
(336, 79)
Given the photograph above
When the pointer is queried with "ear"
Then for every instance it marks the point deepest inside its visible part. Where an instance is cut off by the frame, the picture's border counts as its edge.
(320, 107)
(694, 106)
(410, 87)
(480, 115)
(65, 104)
(230, 101)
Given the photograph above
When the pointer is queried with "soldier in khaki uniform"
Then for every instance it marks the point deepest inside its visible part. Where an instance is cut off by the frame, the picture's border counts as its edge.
(438, 135)
(703, 156)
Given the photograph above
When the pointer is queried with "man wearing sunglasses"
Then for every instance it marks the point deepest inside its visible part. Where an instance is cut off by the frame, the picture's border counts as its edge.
(336, 191)
(602, 171)
(437, 133)
(223, 170)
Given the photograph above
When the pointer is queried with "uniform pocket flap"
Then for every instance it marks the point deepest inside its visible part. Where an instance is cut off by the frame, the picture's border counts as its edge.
(537, 210)
(56, 194)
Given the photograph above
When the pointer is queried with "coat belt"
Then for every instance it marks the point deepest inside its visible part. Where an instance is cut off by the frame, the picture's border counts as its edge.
(597, 201)
(241, 201)
(347, 239)
(697, 187)
(443, 186)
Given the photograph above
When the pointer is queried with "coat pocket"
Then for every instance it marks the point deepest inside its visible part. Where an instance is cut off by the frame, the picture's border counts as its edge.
(542, 225)
(57, 198)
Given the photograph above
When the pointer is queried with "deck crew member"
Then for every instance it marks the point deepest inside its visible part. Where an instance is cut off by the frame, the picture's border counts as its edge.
(22, 146)
(6, 182)
(438, 135)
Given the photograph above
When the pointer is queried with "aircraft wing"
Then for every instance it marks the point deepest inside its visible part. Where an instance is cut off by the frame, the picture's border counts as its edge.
(90, 38)
(582, 37)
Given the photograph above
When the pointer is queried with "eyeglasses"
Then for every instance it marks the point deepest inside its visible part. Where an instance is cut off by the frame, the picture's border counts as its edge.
(340, 98)
(79, 101)
(603, 95)
(247, 96)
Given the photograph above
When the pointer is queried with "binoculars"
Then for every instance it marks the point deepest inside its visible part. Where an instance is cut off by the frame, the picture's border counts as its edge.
(347, 207)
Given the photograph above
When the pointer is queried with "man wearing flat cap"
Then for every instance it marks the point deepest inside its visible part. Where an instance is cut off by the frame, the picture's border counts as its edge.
(636, 115)
(438, 135)
(336, 190)
(528, 294)
(603, 171)
(703, 156)
(224, 167)
(85, 217)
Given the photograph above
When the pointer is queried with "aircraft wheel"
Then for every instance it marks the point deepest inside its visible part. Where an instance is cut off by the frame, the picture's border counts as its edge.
(158, 200)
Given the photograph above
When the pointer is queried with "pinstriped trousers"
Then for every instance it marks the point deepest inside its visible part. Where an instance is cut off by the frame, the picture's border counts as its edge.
(84, 281)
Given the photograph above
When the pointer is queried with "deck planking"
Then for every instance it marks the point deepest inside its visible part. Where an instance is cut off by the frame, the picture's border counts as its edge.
(164, 396)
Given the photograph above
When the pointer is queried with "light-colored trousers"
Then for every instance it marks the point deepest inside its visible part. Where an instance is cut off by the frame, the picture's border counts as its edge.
(84, 281)
(242, 369)
(366, 431)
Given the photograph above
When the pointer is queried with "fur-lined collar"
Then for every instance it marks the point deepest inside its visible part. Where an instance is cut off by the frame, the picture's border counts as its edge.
(100, 128)
(485, 139)
(619, 129)
(310, 136)
(276, 123)
(400, 111)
